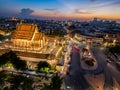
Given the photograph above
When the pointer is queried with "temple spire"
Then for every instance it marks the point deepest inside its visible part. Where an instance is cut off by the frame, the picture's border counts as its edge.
(21, 21)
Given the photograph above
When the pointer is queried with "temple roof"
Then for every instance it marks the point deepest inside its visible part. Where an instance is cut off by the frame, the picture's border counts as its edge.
(30, 32)
(38, 36)
(24, 31)
(50, 37)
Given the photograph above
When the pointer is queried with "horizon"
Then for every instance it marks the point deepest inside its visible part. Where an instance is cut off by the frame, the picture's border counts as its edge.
(61, 9)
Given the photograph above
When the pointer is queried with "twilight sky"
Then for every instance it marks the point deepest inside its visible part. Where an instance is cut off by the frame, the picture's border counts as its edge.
(75, 9)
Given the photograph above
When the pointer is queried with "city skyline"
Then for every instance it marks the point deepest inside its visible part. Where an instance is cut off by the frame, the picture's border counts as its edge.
(67, 9)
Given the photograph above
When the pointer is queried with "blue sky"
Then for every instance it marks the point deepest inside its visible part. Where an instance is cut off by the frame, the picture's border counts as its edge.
(81, 9)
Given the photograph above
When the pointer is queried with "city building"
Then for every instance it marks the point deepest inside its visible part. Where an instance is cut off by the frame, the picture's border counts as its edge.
(113, 38)
(89, 39)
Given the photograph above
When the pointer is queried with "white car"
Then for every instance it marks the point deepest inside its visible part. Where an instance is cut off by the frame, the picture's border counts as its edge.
(68, 87)
(31, 72)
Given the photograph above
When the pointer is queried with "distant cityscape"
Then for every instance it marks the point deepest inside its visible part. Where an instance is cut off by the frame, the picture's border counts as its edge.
(59, 44)
(59, 55)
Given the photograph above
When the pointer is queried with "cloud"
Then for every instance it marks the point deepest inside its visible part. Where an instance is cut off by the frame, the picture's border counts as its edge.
(26, 12)
(114, 4)
(54, 9)
(78, 11)
(107, 4)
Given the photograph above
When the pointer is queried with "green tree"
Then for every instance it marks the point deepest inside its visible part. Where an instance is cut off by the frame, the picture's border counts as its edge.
(42, 65)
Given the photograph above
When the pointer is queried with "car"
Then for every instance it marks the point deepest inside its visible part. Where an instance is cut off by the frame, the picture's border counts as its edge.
(68, 87)
(31, 72)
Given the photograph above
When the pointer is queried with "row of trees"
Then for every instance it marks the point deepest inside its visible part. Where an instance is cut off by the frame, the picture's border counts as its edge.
(12, 60)
(18, 82)
(14, 82)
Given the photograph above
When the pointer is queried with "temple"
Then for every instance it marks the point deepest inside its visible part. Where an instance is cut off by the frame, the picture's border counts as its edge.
(33, 46)
(28, 37)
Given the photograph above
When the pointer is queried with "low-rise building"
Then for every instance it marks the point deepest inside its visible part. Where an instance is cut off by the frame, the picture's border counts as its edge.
(89, 39)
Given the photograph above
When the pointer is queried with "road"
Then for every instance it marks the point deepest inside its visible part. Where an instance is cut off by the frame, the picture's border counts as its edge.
(109, 70)
(115, 73)
(100, 57)
(75, 78)
(102, 67)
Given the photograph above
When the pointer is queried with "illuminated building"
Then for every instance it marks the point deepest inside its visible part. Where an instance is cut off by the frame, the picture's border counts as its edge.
(32, 45)
(112, 39)
(27, 36)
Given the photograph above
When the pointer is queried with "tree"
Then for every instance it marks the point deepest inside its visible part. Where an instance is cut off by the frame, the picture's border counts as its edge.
(42, 65)
(2, 78)
(114, 49)
(4, 81)
(21, 82)
(2, 60)
(55, 84)
(14, 82)
(19, 64)
(89, 63)
(12, 59)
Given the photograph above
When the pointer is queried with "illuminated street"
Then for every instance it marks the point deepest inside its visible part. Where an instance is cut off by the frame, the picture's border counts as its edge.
(75, 78)
(75, 70)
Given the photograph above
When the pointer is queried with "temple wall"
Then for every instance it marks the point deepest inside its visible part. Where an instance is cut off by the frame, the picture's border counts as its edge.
(32, 45)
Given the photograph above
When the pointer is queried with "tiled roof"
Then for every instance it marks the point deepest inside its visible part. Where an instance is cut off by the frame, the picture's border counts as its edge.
(24, 31)
(50, 37)
(38, 36)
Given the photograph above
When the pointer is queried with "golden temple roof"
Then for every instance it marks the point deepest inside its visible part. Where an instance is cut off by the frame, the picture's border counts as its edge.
(30, 32)
(24, 31)
(38, 36)
(50, 37)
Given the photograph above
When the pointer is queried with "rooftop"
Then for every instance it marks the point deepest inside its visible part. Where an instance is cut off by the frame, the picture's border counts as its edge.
(24, 31)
